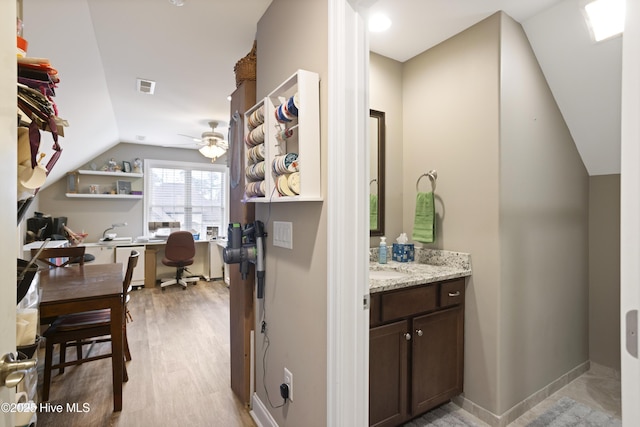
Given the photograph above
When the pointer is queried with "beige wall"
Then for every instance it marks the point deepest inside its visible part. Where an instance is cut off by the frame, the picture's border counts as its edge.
(295, 302)
(543, 230)
(94, 215)
(604, 270)
(451, 124)
(512, 191)
(385, 94)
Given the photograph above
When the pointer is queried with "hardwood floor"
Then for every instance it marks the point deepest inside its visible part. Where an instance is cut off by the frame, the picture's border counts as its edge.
(179, 372)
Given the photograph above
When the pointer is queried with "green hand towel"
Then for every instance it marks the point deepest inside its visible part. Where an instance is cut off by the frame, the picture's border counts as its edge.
(373, 212)
(425, 220)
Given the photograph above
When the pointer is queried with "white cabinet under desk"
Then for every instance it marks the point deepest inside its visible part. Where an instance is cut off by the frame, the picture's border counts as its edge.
(122, 256)
(102, 254)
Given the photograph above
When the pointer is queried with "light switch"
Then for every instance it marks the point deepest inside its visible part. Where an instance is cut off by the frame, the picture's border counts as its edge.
(283, 234)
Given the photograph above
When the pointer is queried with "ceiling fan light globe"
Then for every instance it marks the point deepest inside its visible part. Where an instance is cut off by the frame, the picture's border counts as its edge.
(211, 151)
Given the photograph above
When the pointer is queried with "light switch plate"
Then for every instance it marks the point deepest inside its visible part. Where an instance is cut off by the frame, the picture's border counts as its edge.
(283, 234)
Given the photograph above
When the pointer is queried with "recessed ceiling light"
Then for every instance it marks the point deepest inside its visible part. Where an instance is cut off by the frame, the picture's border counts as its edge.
(379, 22)
(605, 18)
(177, 3)
(229, 98)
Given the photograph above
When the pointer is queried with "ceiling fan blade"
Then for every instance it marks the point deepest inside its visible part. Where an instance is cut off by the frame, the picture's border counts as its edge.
(191, 137)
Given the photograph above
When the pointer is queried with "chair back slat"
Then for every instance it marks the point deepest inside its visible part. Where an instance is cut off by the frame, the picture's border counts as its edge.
(61, 256)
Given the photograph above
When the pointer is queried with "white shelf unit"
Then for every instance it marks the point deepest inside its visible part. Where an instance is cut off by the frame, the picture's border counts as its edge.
(76, 190)
(304, 141)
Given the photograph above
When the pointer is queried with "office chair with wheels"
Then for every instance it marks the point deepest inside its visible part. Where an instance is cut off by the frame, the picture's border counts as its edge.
(179, 253)
(86, 328)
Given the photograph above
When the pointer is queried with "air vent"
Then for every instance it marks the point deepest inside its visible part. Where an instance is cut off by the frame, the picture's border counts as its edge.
(146, 86)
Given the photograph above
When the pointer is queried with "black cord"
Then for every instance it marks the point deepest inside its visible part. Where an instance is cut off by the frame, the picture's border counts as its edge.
(263, 329)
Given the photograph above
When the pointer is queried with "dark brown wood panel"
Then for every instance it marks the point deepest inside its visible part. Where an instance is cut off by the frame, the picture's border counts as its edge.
(374, 310)
(388, 385)
(408, 302)
(241, 291)
(452, 293)
(437, 364)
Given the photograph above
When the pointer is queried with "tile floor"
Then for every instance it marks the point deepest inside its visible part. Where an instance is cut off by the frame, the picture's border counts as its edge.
(598, 388)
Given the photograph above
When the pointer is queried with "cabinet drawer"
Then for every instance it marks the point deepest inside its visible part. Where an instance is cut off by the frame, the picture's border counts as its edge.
(408, 302)
(452, 293)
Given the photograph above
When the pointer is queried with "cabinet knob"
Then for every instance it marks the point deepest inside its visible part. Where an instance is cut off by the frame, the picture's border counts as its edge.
(419, 332)
(454, 294)
(407, 336)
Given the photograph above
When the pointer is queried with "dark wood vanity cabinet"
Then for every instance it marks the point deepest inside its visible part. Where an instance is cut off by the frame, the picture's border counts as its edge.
(416, 345)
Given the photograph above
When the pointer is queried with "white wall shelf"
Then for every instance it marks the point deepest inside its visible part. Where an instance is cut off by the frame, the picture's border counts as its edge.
(103, 196)
(303, 139)
(107, 173)
(103, 185)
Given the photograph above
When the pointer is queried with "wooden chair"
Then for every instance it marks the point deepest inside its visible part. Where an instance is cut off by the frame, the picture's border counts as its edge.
(83, 329)
(58, 257)
(61, 256)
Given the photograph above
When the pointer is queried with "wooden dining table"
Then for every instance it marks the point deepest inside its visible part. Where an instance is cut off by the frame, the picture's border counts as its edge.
(80, 288)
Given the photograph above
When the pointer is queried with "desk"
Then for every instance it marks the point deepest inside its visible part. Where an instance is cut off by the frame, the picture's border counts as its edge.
(90, 287)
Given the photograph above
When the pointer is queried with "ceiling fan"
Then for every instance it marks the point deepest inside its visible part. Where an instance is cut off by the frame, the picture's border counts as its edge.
(212, 144)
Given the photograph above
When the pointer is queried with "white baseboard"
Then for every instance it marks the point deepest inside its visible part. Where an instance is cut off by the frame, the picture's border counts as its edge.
(259, 413)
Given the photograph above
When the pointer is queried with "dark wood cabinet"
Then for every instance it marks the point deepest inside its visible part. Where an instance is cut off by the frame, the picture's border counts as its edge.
(416, 350)
(388, 367)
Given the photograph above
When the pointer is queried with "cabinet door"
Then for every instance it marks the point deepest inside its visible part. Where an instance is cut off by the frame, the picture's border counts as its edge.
(437, 365)
(103, 254)
(122, 255)
(388, 362)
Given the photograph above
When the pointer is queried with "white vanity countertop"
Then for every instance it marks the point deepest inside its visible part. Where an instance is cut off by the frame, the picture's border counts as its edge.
(430, 265)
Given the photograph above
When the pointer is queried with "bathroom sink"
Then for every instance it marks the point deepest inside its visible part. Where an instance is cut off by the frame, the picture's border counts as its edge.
(386, 274)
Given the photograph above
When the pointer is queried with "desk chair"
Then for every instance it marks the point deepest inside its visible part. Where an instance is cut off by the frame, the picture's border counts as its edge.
(179, 253)
(83, 329)
(60, 257)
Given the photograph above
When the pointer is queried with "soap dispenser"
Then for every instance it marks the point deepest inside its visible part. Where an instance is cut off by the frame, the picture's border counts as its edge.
(382, 250)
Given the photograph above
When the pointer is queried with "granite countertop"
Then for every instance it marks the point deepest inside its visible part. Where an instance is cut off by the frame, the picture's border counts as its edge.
(430, 265)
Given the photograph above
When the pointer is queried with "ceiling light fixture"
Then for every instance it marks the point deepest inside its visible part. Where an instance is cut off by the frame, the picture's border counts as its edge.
(212, 151)
(379, 22)
(177, 3)
(605, 18)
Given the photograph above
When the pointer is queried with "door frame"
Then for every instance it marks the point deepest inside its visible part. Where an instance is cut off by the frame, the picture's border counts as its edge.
(347, 235)
(630, 210)
(8, 196)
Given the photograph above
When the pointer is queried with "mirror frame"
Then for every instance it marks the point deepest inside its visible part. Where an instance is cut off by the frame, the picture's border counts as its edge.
(380, 117)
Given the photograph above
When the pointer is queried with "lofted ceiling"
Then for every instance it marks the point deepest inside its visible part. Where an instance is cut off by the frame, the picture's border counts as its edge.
(100, 48)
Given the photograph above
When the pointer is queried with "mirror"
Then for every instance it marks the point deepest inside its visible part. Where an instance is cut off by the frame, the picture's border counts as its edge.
(376, 176)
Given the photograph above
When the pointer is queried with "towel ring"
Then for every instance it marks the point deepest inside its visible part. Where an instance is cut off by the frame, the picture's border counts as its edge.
(432, 175)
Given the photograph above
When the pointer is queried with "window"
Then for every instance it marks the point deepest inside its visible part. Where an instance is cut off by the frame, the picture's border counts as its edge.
(195, 194)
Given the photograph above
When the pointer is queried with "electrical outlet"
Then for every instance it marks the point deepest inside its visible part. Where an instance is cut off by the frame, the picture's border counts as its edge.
(288, 380)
